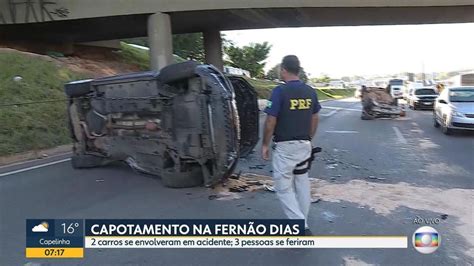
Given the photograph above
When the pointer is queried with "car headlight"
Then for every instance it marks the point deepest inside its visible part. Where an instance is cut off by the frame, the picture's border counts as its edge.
(456, 113)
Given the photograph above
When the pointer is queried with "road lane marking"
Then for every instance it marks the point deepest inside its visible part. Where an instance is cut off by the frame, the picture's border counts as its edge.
(341, 108)
(34, 167)
(34, 160)
(330, 113)
(400, 137)
(342, 131)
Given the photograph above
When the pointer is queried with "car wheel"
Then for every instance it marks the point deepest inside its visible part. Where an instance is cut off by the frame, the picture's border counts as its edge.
(192, 178)
(77, 89)
(86, 161)
(176, 72)
(446, 129)
(435, 122)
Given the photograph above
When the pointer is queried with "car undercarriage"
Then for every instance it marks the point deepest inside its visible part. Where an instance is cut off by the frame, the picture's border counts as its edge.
(188, 123)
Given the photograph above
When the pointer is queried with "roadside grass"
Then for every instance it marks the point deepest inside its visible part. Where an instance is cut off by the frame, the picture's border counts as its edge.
(263, 87)
(138, 56)
(264, 90)
(26, 127)
(333, 93)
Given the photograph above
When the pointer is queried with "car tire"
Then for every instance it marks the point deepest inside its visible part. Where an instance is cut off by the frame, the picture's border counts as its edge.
(191, 178)
(78, 89)
(446, 129)
(179, 71)
(435, 122)
(86, 161)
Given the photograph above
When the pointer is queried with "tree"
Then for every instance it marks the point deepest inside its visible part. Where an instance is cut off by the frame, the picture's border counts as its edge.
(189, 46)
(303, 76)
(274, 73)
(250, 57)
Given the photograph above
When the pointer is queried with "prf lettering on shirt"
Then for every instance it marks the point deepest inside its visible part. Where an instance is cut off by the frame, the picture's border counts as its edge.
(300, 104)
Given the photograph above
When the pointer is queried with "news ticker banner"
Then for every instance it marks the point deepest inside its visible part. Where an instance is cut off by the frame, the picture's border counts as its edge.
(67, 238)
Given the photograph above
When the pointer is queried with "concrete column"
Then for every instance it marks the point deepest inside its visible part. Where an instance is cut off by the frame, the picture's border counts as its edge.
(213, 48)
(160, 40)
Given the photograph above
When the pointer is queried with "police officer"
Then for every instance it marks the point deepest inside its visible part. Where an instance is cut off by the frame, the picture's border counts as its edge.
(292, 120)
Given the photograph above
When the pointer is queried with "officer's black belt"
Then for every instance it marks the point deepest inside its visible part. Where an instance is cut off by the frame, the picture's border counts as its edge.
(280, 139)
(307, 161)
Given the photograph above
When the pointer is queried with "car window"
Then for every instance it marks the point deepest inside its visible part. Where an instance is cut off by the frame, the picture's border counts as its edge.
(425, 92)
(464, 95)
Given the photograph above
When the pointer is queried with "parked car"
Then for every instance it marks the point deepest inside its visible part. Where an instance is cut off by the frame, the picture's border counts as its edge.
(454, 109)
(422, 98)
(188, 123)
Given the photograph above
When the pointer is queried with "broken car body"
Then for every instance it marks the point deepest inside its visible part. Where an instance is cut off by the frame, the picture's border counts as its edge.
(188, 123)
(378, 103)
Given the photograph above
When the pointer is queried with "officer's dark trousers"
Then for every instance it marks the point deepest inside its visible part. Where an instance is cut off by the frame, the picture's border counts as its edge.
(293, 191)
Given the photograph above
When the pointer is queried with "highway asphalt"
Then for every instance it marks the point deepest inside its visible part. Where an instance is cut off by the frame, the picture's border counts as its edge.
(374, 178)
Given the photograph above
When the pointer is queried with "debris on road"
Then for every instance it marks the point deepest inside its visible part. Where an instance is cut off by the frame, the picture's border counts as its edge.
(258, 166)
(315, 200)
(386, 199)
(241, 182)
(99, 180)
(269, 188)
(331, 166)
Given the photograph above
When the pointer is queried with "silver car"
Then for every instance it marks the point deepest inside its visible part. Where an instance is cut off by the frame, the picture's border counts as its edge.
(454, 109)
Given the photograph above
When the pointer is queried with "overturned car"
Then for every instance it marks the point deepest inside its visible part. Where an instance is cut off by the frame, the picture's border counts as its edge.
(378, 103)
(188, 123)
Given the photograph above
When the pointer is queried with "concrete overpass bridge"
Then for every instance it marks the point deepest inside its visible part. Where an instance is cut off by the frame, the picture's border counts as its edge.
(72, 21)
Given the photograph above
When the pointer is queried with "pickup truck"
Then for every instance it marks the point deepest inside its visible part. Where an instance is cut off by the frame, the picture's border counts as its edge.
(188, 123)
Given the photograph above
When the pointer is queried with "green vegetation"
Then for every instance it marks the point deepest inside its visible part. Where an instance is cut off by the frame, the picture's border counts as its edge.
(274, 73)
(250, 57)
(263, 87)
(139, 57)
(264, 90)
(336, 93)
(32, 126)
(135, 56)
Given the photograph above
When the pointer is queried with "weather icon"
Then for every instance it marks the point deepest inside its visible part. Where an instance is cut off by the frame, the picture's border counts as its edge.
(42, 227)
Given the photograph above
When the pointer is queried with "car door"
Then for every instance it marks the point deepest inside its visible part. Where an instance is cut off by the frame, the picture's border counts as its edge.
(247, 105)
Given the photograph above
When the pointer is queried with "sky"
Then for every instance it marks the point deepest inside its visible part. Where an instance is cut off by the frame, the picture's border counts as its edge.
(368, 50)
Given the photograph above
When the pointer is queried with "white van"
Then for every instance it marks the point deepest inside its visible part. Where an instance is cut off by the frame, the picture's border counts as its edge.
(396, 88)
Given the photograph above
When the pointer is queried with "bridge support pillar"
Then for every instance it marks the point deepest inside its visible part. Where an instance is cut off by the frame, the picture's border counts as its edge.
(213, 48)
(160, 40)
